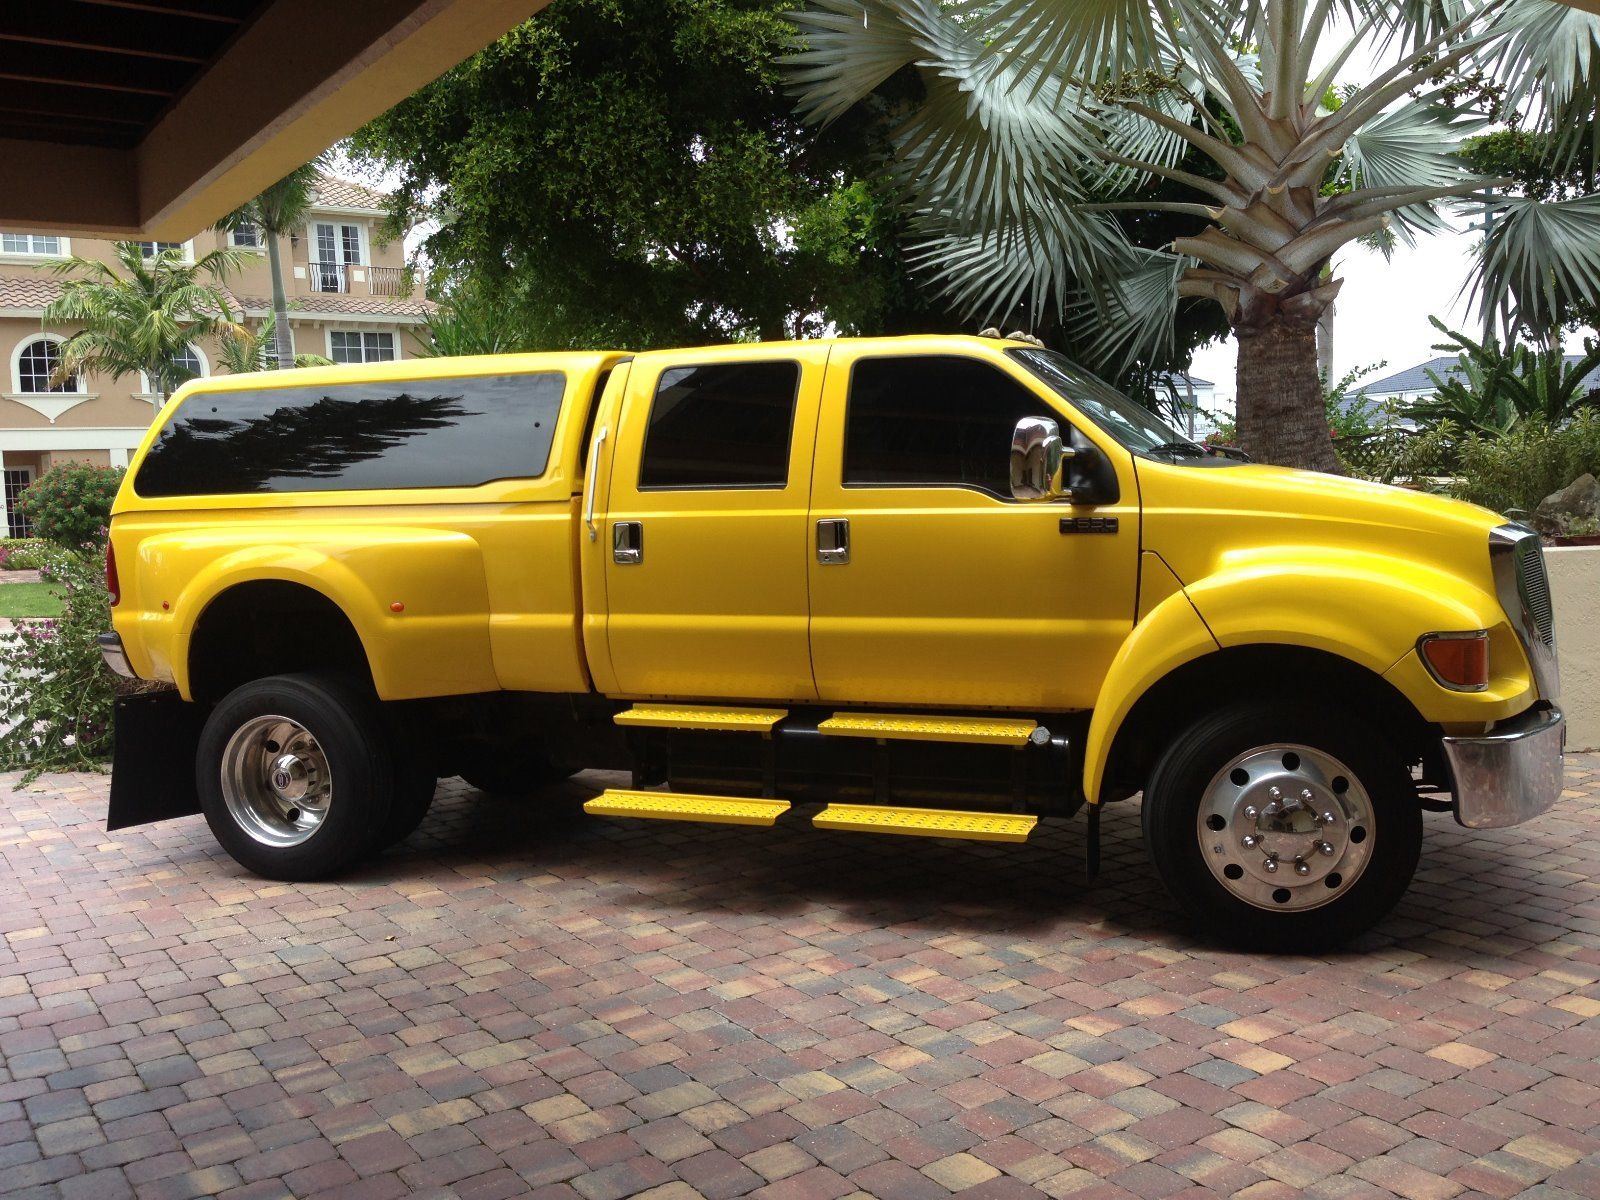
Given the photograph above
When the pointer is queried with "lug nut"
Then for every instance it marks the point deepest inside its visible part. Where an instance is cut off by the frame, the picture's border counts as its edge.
(1302, 867)
(1305, 794)
(1251, 812)
(1327, 818)
(1272, 864)
(1275, 793)
(1248, 840)
(1324, 847)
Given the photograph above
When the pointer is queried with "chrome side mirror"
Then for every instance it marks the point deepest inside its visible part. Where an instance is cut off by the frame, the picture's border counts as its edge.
(1039, 460)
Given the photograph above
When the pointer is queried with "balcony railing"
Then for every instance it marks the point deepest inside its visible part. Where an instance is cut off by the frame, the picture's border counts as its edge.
(341, 277)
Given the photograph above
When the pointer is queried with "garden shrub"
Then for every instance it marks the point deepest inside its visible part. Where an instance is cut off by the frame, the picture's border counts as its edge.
(1513, 472)
(71, 503)
(56, 693)
(27, 554)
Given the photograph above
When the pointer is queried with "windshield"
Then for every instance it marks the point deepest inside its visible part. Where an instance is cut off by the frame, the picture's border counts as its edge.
(1135, 426)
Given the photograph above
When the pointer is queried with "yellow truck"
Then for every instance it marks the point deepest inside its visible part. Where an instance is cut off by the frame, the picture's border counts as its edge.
(936, 586)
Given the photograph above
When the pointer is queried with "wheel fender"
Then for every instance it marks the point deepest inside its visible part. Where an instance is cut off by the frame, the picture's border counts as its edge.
(417, 598)
(1170, 635)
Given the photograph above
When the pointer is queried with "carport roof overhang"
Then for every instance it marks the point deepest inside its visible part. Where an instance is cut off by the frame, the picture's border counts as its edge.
(156, 117)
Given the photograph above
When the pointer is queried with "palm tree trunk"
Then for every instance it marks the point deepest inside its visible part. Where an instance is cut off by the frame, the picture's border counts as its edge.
(1280, 411)
(283, 351)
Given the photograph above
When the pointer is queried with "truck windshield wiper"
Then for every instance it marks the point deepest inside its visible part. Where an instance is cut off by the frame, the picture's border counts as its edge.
(1179, 449)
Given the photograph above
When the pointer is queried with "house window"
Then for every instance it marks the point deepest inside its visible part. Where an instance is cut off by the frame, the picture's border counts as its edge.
(350, 346)
(245, 237)
(151, 249)
(32, 243)
(16, 481)
(191, 364)
(36, 363)
(337, 248)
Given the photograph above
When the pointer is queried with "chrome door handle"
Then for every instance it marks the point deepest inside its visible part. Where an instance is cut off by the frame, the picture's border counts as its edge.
(627, 542)
(833, 540)
(594, 473)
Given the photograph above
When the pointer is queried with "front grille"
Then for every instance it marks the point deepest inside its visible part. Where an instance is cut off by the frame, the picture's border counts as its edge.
(1534, 587)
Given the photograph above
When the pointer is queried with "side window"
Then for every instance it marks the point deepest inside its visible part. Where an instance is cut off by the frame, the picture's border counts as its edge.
(933, 422)
(721, 426)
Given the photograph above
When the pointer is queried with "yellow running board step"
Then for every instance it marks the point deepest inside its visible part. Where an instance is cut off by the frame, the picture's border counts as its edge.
(927, 822)
(993, 731)
(675, 806)
(680, 716)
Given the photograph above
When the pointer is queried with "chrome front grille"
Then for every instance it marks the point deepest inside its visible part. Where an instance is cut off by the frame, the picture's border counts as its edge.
(1533, 585)
(1517, 561)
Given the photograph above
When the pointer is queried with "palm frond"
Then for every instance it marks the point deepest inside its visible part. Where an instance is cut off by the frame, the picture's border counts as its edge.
(1542, 257)
(1413, 146)
(1548, 55)
(1135, 319)
(1083, 40)
(848, 48)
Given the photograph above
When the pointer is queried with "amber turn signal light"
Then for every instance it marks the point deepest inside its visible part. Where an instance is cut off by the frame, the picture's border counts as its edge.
(1458, 660)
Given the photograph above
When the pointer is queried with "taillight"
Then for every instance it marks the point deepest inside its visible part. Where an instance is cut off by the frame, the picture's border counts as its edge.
(1458, 660)
(113, 584)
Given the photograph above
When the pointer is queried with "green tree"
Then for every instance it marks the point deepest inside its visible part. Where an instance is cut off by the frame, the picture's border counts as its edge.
(275, 213)
(140, 313)
(633, 173)
(1042, 115)
(244, 350)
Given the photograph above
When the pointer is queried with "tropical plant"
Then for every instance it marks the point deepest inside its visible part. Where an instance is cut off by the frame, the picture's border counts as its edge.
(246, 350)
(1511, 473)
(276, 213)
(1349, 411)
(71, 502)
(1039, 116)
(140, 313)
(474, 318)
(56, 701)
(1491, 390)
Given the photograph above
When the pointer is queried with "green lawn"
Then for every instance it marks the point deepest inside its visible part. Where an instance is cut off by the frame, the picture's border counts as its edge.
(28, 600)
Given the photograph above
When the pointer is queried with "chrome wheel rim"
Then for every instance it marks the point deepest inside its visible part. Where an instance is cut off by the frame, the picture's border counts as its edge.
(275, 781)
(1285, 827)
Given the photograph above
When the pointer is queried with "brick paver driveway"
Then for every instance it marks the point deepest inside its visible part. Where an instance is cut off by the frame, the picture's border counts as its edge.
(523, 1000)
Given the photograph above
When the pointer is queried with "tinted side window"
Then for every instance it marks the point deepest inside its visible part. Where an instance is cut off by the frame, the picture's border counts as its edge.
(722, 426)
(933, 421)
(356, 437)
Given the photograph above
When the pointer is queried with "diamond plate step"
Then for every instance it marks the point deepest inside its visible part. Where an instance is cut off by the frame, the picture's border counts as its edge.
(927, 822)
(992, 731)
(676, 806)
(683, 716)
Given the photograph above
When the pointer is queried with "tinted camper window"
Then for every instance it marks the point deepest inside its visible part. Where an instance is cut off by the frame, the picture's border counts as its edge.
(356, 437)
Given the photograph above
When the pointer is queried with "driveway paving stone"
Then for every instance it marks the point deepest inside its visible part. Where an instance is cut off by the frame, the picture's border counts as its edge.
(524, 1001)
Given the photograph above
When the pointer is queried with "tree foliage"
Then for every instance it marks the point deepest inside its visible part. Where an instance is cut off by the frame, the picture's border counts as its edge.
(71, 502)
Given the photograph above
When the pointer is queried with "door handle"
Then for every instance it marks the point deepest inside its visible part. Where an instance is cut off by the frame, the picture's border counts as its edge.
(833, 540)
(627, 542)
(594, 473)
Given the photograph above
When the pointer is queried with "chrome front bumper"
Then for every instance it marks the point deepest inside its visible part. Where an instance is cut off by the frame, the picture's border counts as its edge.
(116, 657)
(1510, 774)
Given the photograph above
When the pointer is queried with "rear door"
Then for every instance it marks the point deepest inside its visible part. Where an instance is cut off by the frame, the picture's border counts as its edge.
(705, 538)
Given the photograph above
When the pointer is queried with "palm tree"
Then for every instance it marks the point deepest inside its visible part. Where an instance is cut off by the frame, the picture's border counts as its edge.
(1040, 117)
(276, 212)
(246, 350)
(143, 317)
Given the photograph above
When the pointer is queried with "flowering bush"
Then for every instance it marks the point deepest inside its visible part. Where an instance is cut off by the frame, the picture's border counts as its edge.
(26, 554)
(70, 504)
(55, 692)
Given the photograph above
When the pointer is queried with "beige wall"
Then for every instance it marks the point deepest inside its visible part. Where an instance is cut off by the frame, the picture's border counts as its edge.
(1575, 592)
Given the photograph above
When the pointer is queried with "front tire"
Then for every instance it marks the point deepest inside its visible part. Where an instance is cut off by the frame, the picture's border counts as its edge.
(295, 777)
(1283, 830)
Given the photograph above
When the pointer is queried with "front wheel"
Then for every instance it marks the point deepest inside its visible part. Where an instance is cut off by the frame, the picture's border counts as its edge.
(1283, 830)
(294, 775)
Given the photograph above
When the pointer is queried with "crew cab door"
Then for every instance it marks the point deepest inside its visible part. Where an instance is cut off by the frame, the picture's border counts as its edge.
(952, 593)
(704, 538)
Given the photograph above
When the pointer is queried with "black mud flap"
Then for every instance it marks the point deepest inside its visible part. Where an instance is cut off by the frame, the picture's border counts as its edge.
(152, 765)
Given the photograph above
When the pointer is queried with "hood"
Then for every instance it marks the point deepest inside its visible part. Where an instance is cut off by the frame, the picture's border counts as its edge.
(1194, 516)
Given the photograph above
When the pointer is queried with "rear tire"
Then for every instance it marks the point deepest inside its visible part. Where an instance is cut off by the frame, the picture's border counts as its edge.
(1320, 796)
(294, 775)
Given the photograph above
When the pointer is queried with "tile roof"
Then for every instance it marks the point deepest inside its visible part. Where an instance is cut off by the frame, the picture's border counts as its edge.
(341, 193)
(339, 305)
(1415, 379)
(28, 291)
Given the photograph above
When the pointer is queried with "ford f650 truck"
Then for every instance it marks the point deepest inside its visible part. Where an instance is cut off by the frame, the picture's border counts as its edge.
(938, 586)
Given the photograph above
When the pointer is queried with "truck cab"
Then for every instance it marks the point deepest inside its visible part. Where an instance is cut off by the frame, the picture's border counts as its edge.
(930, 586)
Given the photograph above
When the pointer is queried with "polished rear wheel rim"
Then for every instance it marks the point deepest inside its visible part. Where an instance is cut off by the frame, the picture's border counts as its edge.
(1285, 827)
(276, 782)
